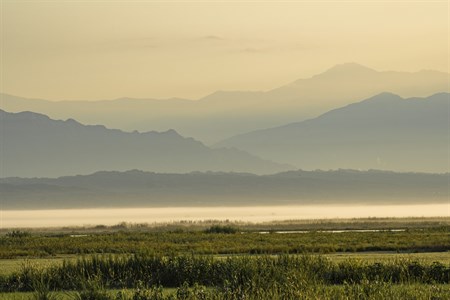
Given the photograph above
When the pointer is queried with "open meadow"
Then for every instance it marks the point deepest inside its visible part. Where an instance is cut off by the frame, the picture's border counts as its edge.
(390, 258)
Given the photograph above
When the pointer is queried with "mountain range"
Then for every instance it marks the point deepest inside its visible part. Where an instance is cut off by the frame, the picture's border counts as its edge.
(145, 189)
(33, 145)
(383, 132)
(224, 114)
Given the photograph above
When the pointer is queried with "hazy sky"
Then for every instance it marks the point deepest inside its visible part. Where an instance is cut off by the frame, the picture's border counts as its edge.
(108, 49)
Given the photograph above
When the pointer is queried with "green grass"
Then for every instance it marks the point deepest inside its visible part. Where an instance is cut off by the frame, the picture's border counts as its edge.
(29, 295)
(262, 270)
(232, 261)
(306, 224)
(427, 258)
(48, 245)
(361, 291)
(8, 266)
(70, 295)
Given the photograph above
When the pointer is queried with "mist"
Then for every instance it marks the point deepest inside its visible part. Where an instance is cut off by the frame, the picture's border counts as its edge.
(104, 216)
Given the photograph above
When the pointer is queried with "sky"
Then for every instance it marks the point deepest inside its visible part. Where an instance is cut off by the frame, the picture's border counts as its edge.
(92, 50)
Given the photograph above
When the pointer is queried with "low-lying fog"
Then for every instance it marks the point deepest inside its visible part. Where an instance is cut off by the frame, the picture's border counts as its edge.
(80, 217)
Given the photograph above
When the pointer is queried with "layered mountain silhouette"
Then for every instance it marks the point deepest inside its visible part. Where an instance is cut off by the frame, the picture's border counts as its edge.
(382, 132)
(144, 189)
(33, 145)
(226, 113)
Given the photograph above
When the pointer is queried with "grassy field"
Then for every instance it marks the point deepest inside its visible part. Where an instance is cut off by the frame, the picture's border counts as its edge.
(426, 258)
(8, 266)
(240, 242)
(388, 292)
(235, 277)
(303, 224)
(210, 260)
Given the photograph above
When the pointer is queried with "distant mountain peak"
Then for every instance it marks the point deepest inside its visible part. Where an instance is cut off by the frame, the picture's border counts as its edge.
(348, 68)
(172, 132)
(24, 115)
(384, 131)
(344, 70)
(51, 147)
(72, 122)
(384, 96)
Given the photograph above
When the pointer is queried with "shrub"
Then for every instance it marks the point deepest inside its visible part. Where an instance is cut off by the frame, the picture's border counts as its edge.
(222, 229)
(18, 234)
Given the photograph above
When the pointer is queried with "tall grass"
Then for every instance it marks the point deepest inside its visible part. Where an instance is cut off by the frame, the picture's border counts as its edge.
(217, 241)
(232, 273)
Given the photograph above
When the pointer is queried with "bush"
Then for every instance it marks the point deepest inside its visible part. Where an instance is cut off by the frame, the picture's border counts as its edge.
(18, 234)
(222, 229)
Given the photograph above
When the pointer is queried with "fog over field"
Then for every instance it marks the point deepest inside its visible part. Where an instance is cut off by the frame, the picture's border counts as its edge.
(108, 216)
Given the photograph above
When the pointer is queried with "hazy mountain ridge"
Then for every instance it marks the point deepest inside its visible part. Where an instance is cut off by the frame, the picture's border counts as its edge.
(35, 145)
(226, 113)
(145, 189)
(384, 131)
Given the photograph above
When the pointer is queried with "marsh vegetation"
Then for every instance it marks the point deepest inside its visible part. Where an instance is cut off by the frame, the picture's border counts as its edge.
(338, 259)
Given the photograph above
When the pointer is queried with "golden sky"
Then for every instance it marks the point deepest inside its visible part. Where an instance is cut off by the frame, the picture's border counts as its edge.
(64, 50)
